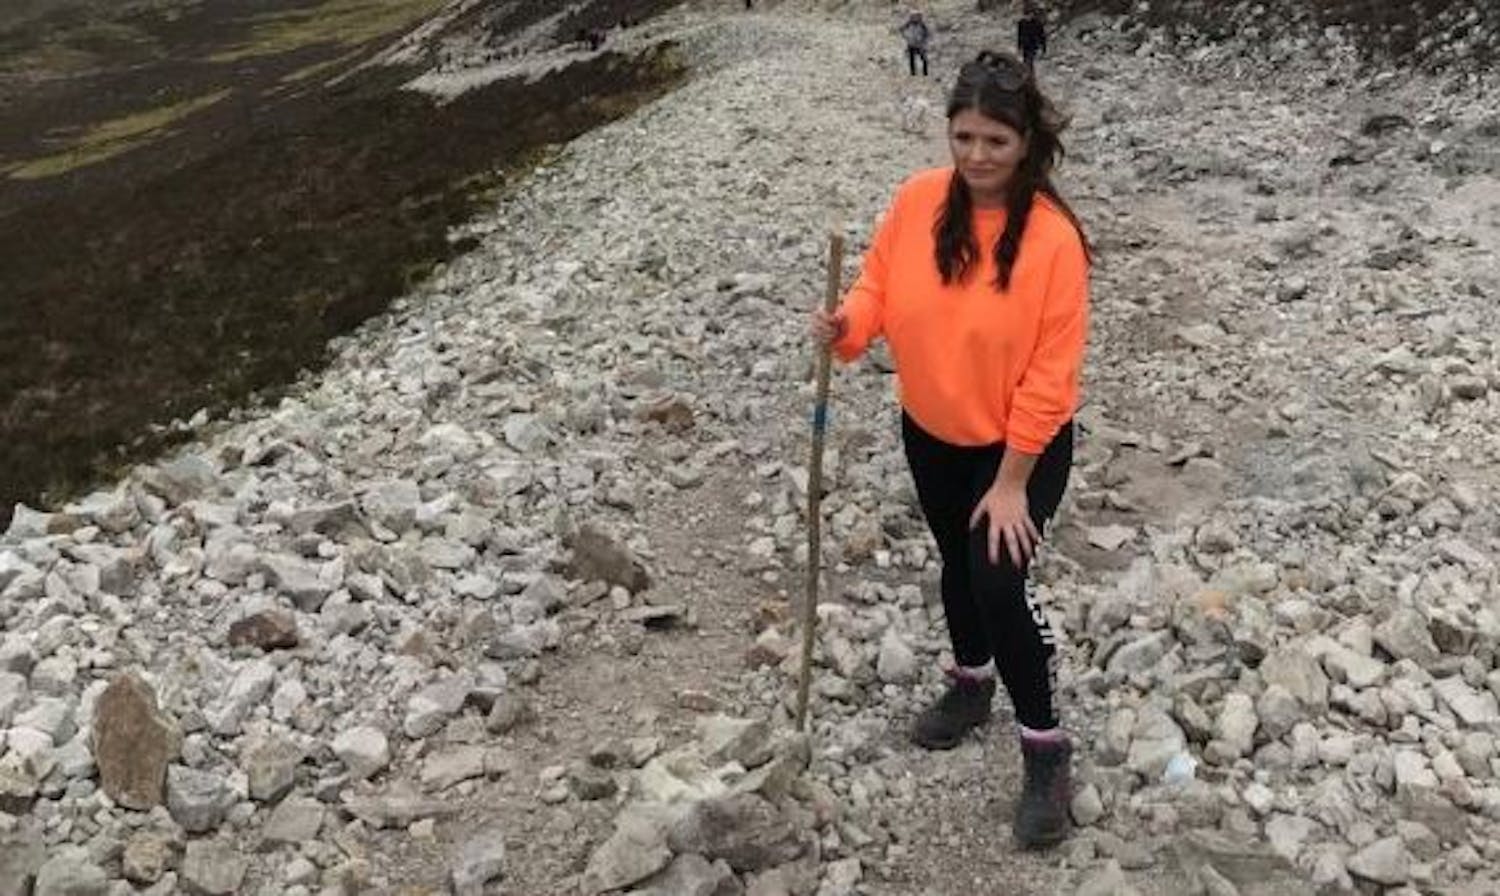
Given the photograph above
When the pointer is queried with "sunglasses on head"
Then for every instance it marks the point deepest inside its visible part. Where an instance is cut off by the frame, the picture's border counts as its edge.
(1003, 71)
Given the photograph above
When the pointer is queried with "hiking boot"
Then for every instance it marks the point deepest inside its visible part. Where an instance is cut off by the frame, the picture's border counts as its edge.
(962, 708)
(1042, 812)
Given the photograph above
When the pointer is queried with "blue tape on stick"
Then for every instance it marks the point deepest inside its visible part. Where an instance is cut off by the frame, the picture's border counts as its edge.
(820, 418)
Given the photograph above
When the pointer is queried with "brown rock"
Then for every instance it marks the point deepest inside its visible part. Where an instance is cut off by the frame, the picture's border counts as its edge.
(770, 649)
(671, 411)
(744, 830)
(508, 712)
(268, 630)
(147, 857)
(419, 643)
(133, 742)
(770, 614)
(599, 555)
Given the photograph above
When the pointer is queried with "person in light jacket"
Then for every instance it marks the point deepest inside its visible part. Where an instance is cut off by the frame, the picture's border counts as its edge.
(917, 35)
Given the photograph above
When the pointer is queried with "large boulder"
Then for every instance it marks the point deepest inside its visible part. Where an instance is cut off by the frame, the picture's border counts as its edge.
(133, 743)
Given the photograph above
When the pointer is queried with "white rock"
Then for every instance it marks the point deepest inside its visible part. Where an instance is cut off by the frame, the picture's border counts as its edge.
(1413, 772)
(1404, 635)
(1140, 654)
(70, 872)
(1300, 674)
(1459, 551)
(1288, 834)
(1110, 538)
(841, 877)
(27, 523)
(13, 567)
(1259, 798)
(431, 707)
(1087, 807)
(1360, 671)
(1108, 881)
(363, 750)
(1385, 861)
(1278, 711)
(480, 860)
(17, 655)
(526, 433)
(300, 581)
(392, 503)
(198, 800)
(897, 663)
(1237, 723)
(213, 868)
(1475, 709)
(246, 691)
(1156, 738)
(443, 769)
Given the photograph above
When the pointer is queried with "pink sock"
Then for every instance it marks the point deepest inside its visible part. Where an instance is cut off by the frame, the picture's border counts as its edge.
(974, 673)
(1048, 736)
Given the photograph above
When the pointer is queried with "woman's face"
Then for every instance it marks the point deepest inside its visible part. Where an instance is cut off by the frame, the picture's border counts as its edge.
(986, 153)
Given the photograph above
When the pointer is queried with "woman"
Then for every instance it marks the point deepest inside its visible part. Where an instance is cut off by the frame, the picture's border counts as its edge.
(978, 280)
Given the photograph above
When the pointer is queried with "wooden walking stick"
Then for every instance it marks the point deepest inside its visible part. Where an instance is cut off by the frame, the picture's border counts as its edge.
(815, 483)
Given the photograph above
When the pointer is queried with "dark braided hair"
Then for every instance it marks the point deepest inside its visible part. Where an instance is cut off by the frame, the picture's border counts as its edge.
(999, 86)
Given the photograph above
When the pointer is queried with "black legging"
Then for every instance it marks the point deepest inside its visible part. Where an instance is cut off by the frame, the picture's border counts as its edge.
(912, 55)
(990, 609)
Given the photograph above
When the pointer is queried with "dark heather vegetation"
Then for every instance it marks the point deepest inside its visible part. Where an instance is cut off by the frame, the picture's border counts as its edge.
(194, 199)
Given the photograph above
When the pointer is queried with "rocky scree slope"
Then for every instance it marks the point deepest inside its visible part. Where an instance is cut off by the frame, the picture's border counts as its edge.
(1442, 35)
(305, 654)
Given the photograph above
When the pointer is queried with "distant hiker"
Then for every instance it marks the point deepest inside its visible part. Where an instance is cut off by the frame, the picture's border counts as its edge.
(917, 35)
(985, 312)
(1031, 36)
(596, 38)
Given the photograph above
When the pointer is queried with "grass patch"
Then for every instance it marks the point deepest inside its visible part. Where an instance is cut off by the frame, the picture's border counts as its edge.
(51, 59)
(308, 72)
(111, 138)
(343, 22)
(77, 47)
(104, 36)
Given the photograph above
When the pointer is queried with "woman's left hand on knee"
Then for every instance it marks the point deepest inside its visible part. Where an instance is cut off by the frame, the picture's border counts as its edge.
(1007, 514)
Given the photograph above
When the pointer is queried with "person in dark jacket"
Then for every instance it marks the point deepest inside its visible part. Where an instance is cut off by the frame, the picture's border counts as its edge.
(917, 34)
(1031, 36)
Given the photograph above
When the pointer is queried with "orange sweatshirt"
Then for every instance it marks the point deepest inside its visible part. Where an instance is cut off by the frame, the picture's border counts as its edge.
(975, 366)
